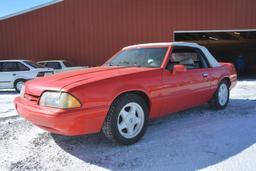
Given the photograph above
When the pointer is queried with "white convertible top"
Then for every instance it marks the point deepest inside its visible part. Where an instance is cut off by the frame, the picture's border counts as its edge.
(212, 61)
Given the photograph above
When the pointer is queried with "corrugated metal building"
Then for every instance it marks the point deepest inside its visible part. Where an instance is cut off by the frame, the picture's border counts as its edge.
(88, 32)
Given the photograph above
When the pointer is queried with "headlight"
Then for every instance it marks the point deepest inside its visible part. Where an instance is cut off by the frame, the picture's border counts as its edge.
(59, 100)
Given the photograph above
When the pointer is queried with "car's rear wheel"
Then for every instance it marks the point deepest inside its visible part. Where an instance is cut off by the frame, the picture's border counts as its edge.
(127, 119)
(221, 97)
(18, 84)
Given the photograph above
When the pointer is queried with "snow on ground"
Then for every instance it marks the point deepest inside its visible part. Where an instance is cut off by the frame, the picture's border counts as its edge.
(199, 138)
(7, 108)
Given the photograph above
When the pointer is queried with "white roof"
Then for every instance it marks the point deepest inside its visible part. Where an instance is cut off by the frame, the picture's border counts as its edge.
(14, 60)
(52, 61)
(163, 44)
(213, 62)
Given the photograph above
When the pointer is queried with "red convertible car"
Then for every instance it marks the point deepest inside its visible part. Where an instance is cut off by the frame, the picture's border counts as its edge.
(139, 83)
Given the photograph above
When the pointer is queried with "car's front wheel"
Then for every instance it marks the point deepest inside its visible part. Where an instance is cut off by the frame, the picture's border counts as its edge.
(127, 119)
(221, 97)
(18, 84)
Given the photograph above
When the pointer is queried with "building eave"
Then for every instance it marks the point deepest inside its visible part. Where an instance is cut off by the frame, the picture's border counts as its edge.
(30, 9)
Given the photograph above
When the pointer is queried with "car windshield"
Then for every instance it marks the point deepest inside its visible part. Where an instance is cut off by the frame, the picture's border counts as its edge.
(142, 57)
(33, 64)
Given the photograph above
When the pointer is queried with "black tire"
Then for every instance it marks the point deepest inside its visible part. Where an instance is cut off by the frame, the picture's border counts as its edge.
(16, 84)
(215, 101)
(110, 127)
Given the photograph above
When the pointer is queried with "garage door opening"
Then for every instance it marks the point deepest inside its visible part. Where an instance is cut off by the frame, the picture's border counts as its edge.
(235, 46)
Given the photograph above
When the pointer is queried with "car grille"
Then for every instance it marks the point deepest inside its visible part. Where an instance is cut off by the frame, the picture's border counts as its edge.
(31, 98)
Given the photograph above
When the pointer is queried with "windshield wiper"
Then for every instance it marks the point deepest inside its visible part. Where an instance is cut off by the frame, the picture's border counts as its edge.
(125, 64)
(136, 65)
(111, 64)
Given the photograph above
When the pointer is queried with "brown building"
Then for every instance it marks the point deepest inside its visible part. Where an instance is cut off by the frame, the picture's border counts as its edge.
(88, 32)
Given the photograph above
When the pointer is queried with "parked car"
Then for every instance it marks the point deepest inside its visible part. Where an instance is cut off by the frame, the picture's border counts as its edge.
(59, 65)
(14, 73)
(139, 83)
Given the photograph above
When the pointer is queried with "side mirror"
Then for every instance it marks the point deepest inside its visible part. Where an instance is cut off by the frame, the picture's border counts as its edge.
(178, 68)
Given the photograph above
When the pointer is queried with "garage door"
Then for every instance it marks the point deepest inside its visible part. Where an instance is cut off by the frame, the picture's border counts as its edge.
(236, 46)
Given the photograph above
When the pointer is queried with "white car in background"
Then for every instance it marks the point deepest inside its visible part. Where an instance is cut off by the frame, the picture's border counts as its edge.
(14, 73)
(60, 65)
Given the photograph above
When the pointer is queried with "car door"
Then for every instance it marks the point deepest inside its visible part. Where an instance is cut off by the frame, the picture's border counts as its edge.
(12, 71)
(5, 80)
(204, 75)
(183, 90)
(24, 72)
(8, 74)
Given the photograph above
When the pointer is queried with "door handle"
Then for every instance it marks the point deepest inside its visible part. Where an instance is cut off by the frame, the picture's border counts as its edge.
(14, 74)
(205, 74)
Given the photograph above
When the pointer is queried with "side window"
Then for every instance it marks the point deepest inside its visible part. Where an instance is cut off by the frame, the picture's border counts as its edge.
(192, 58)
(54, 65)
(203, 59)
(41, 63)
(22, 67)
(9, 67)
(68, 64)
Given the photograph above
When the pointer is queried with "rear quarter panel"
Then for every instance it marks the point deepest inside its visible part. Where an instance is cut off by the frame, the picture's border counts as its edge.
(27, 75)
(230, 72)
(217, 74)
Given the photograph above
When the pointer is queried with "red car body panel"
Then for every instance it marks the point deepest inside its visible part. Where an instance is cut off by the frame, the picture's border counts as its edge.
(96, 88)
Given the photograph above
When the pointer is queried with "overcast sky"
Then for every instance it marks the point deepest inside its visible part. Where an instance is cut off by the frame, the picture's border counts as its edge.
(8, 7)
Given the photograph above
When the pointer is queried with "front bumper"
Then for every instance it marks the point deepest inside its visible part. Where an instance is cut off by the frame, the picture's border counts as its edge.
(65, 122)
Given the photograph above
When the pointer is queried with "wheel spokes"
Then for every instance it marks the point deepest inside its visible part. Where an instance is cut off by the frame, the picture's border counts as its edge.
(130, 130)
(223, 94)
(130, 120)
(122, 125)
(132, 110)
(137, 120)
(124, 114)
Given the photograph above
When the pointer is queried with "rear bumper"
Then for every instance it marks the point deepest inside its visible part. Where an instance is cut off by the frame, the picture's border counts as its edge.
(233, 80)
(65, 122)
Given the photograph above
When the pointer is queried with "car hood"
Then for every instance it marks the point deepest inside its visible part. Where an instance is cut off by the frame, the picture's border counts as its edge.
(59, 81)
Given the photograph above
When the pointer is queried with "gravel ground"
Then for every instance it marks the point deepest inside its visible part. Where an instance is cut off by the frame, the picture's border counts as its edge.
(195, 139)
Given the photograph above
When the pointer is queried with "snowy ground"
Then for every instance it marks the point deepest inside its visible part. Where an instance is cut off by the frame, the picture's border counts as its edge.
(195, 139)
(7, 108)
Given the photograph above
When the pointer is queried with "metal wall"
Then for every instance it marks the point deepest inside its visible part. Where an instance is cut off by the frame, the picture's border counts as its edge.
(89, 31)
